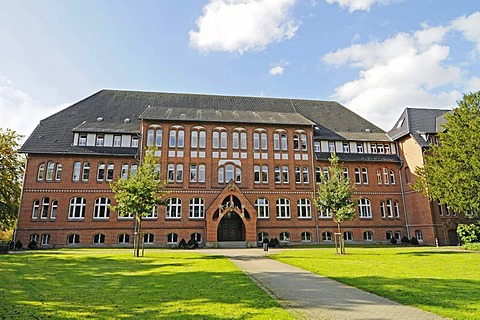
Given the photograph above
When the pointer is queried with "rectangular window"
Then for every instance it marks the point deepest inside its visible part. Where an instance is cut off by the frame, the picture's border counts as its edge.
(277, 175)
(243, 140)
(256, 141)
(193, 173)
(264, 174)
(346, 147)
(285, 174)
(298, 173)
(82, 140)
(99, 142)
(264, 141)
(365, 175)
(202, 139)
(223, 140)
(134, 142)
(235, 140)
(360, 147)
(194, 140)
(331, 146)
(117, 141)
(317, 146)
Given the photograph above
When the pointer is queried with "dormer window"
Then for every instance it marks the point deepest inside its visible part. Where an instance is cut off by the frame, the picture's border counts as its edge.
(82, 140)
(134, 142)
(99, 142)
(117, 141)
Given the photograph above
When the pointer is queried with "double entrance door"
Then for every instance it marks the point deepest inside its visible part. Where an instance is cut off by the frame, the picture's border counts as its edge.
(231, 228)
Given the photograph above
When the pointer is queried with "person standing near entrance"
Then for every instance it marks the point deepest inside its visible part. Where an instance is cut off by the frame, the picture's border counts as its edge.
(265, 244)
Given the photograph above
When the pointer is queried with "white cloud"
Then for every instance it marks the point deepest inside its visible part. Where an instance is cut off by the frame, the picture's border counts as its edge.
(243, 25)
(469, 27)
(277, 70)
(20, 112)
(404, 70)
(359, 5)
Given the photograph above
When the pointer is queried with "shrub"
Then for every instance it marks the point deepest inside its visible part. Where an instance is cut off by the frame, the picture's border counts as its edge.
(405, 240)
(472, 246)
(182, 244)
(192, 244)
(393, 241)
(18, 245)
(469, 233)
(414, 241)
(32, 244)
(272, 243)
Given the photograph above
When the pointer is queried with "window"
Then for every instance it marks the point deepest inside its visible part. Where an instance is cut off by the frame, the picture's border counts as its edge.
(236, 140)
(419, 235)
(101, 172)
(331, 146)
(86, 171)
(389, 208)
(196, 208)
(153, 214)
(34, 237)
(158, 137)
(379, 176)
(264, 174)
(392, 176)
(263, 140)
(172, 238)
(305, 175)
(175, 173)
(382, 210)
(110, 170)
(256, 141)
(256, 174)
(156, 172)
(198, 138)
(348, 236)
(263, 211)
(368, 236)
(99, 142)
(82, 140)
(124, 173)
(346, 147)
(327, 236)
(45, 208)
(243, 140)
(150, 137)
(277, 175)
(364, 208)
(304, 209)
(365, 175)
(35, 209)
(284, 237)
(134, 142)
(98, 238)
(196, 237)
(387, 149)
(73, 239)
(41, 171)
(117, 141)
(303, 141)
(77, 208)
(325, 214)
(176, 138)
(76, 171)
(285, 174)
(58, 172)
(283, 208)
(134, 169)
(215, 140)
(318, 174)
(284, 142)
(359, 147)
(388, 235)
(276, 141)
(229, 172)
(385, 175)
(440, 209)
(53, 211)
(261, 236)
(380, 148)
(179, 176)
(201, 173)
(148, 238)
(396, 209)
(373, 148)
(45, 239)
(397, 235)
(296, 142)
(317, 147)
(306, 236)
(102, 208)
(124, 238)
(358, 178)
(298, 175)
(174, 208)
(345, 172)
(223, 140)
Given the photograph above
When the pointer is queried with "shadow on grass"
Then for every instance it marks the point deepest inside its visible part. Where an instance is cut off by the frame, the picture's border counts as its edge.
(43, 285)
(429, 253)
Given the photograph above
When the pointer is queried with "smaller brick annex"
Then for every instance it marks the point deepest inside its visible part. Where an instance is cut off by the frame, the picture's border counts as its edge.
(238, 169)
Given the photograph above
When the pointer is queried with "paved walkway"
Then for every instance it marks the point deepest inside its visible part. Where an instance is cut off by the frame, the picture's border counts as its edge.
(310, 296)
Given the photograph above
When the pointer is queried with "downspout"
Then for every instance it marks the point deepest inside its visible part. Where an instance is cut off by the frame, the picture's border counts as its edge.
(21, 202)
(315, 211)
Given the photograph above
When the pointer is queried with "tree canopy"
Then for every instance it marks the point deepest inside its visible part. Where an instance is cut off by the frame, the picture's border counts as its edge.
(11, 171)
(335, 193)
(451, 173)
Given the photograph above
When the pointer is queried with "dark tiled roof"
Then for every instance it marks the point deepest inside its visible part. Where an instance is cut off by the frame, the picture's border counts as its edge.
(440, 122)
(359, 157)
(54, 134)
(415, 122)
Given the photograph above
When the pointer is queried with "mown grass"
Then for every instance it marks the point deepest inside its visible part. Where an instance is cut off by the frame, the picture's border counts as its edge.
(442, 281)
(111, 284)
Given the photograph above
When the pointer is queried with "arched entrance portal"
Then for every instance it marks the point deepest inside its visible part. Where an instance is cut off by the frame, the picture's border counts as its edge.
(231, 228)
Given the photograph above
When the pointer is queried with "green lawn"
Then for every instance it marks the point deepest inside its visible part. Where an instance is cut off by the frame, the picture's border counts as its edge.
(107, 284)
(442, 281)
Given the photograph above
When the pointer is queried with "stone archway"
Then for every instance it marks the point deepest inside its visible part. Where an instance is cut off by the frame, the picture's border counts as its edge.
(231, 228)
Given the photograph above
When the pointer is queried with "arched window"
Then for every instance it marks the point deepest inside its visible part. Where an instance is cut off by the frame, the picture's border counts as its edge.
(148, 238)
(304, 209)
(172, 238)
(98, 238)
(358, 178)
(86, 171)
(419, 235)
(229, 172)
(365, 175)
(158, 137)
(174, 208)
(327, 236)
(150, 137)
(196, 237)
(306, 236)
(368, 236)
(283, 138)
(388, 235)
(385, 176)
(53, 211)
(41, 171)
(76, 171)
(196, 208)
(261, 236)
(124, 238)
(45, 239)
(284, 237)
(124, 173)
(263, 211)
(364, 208)
(392, 176)
(101, 172)
(110, 170)
(283, 208)
(296, 142)
(379, 176)
(176, 137)
(382, 210)
(73, 239)
(50, 169)
(390, 208)
(102, 208)
(58, 172)
(35, 209)
(45, 208)
(348, 236)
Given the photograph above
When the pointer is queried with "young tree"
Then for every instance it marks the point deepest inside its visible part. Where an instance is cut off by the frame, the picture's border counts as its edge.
(11, 171)
(335, 196)
(451, 173)
(140, 193)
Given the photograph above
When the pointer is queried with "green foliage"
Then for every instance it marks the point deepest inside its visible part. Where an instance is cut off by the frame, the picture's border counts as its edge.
(451, 173)
(439, 280)
(7, 235)
(469, 233)
(11, 171)
(472, 246)
(335, 193)
(140, 192)
(414, 241)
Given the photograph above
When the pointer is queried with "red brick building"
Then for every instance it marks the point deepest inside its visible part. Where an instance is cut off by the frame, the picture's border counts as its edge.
(238, 169)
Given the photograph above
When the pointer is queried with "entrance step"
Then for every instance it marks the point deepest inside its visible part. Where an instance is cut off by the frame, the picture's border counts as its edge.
(232, 244)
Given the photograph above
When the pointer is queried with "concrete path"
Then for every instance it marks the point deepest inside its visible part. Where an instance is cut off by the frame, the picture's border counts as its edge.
(310, 296)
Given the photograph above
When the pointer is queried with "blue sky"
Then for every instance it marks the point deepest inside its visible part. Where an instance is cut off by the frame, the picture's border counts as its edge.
(374, 56)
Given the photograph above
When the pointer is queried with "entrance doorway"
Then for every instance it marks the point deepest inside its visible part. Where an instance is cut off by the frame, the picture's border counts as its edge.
(231, 228)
